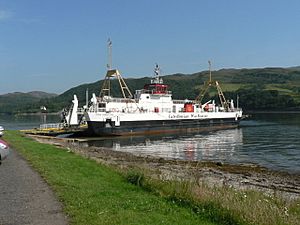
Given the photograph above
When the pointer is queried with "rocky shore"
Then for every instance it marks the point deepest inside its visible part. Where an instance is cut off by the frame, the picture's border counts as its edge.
(240, 177)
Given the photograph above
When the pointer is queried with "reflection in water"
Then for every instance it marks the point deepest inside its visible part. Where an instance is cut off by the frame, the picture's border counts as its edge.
(219, 145)
(270, 140)
(265, 140)
(44, 118)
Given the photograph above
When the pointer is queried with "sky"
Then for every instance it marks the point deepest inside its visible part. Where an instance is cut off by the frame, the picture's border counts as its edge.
(54, 45)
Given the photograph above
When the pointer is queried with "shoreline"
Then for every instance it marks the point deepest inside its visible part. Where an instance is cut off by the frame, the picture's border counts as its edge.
(272, 112)
(241, 177)
(31, 114)
(37, 114)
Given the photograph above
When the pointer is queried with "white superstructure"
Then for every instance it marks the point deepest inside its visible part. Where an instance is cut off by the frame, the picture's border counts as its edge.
(152, 109)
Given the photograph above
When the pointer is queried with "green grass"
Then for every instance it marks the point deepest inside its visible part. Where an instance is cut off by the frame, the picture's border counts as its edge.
(232, 86)
(225, 87)
(284, 89)
(95, 194)
(236, 206)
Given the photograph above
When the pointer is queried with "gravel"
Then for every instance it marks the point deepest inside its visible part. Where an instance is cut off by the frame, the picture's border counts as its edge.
(25, 198)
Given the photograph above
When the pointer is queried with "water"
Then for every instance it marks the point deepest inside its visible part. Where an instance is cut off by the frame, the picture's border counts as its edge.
(269, 140)
(23, 122)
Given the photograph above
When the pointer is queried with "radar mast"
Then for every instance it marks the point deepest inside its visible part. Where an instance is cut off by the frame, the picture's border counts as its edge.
(156, 79)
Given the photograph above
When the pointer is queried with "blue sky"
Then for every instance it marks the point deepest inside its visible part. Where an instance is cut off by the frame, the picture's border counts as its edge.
(53, 45)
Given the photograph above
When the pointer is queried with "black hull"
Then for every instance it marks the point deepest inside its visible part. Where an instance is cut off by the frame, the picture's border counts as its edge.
(157, 127)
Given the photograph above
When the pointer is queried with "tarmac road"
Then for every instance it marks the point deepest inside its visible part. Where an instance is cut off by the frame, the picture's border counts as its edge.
(25, 198)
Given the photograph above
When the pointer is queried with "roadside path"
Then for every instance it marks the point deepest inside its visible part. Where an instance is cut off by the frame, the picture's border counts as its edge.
(25, 198)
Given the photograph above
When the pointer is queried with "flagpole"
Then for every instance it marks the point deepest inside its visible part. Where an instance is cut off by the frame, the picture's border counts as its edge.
(109, 43)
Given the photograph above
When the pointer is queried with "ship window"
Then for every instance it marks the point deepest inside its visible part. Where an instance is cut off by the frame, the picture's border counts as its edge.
(102, 105)
(174, 108)
(147, 97)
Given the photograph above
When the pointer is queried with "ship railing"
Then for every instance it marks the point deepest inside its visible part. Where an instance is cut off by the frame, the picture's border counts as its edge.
(238, 110)
(121, 100)
(234, 110)
(80, 111)
(94, 109)
(155, 92)
(47, 126)
(179, 101)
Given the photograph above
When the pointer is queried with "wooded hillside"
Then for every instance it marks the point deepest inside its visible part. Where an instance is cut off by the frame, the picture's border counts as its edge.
(258, 89)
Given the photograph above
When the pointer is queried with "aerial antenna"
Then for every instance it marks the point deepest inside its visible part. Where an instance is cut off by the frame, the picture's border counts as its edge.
(157, 79)
(109, 48)
(156, 70)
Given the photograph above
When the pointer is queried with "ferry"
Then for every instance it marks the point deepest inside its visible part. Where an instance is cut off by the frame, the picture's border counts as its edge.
(152, 110)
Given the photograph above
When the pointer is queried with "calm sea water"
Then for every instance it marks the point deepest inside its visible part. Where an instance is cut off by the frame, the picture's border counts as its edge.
(269, 140)
(23, 122)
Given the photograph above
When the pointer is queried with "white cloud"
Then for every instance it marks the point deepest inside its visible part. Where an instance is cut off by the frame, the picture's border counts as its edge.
(5, 15)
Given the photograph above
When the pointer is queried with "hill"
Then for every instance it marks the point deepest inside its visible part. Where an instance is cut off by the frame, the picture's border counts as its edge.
(258, 89)
(22, 102)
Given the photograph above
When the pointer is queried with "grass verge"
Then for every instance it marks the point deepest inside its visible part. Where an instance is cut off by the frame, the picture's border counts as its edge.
(228, 204)
(95, 194)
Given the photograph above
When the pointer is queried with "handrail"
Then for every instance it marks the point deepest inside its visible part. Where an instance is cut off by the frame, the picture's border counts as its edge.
(51, 126)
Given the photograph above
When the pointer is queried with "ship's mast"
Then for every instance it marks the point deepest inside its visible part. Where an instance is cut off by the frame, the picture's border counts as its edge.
(105, 90)
(157, 79)
(209, 84)
(109, 60)
(209, 65)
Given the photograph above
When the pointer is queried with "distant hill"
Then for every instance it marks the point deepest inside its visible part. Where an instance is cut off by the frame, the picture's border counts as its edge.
(33, 94)
(258, 89)
(22, 102)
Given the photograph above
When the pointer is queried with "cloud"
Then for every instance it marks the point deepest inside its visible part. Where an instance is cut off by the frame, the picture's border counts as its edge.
(5, 15)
